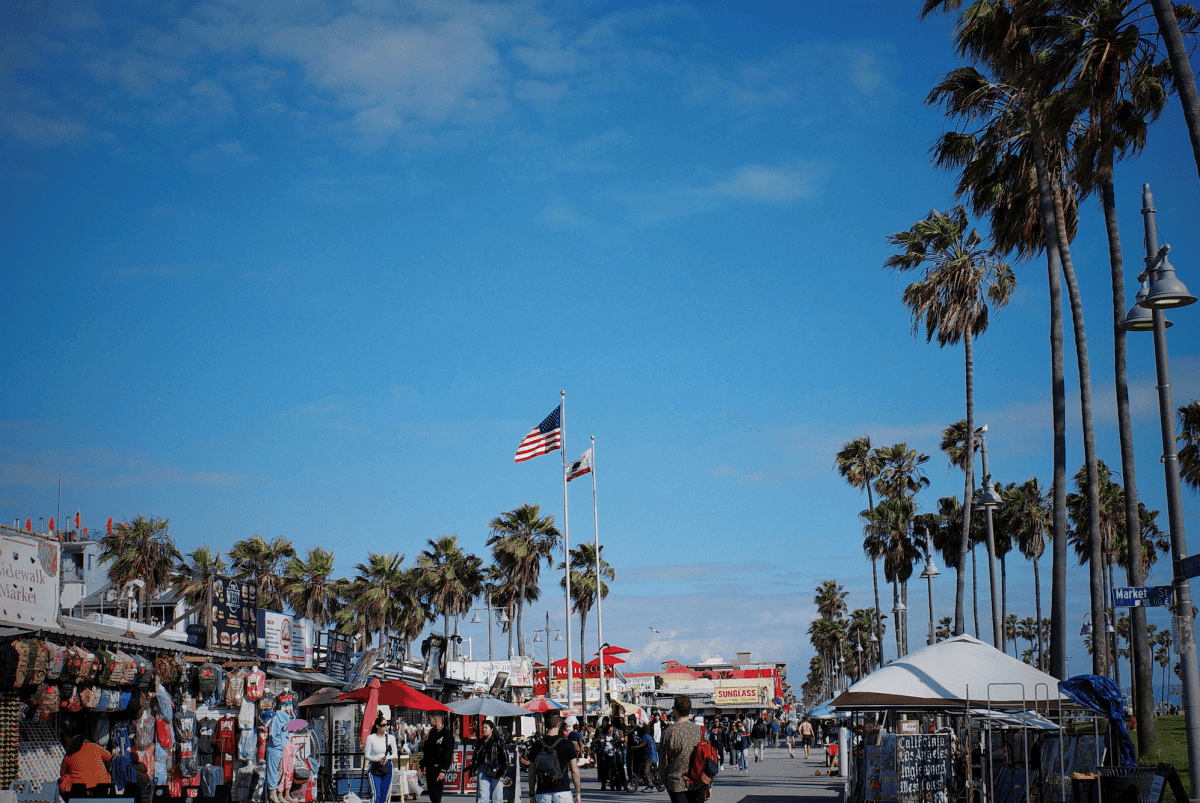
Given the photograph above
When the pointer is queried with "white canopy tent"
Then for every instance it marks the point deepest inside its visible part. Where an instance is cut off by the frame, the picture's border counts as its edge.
(950, 674)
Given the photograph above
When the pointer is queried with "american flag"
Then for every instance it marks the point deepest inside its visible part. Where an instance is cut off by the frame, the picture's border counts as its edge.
(545, 437)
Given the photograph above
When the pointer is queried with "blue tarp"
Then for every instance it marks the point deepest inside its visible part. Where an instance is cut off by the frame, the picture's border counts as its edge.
(1101, 695)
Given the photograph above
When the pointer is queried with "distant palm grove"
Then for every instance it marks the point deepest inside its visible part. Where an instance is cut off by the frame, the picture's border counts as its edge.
(384, 597)
(1052, 95)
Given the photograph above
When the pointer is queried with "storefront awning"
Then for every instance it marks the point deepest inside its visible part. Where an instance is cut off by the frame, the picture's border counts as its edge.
(69, 628)
(315, 678)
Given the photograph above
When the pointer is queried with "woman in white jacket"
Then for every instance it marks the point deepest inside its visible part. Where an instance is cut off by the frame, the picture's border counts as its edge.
(379, 763)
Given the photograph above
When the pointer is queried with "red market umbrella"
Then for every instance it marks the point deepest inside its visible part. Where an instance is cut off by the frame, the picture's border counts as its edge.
(370, 696)
(611, 650)
(540, 705)
(609, 660)
(392, 692)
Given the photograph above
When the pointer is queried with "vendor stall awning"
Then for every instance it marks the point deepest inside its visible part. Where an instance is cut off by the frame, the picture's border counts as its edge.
(947, 675)
(82, 629)
(316, 678)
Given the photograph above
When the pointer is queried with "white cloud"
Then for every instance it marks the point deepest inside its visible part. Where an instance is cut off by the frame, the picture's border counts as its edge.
(763, 183)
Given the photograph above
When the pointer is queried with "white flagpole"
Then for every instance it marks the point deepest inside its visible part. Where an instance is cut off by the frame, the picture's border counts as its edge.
(599, 580)
(566, 554)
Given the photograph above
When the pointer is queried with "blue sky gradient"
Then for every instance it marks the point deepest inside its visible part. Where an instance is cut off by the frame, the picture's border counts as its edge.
(314, 269)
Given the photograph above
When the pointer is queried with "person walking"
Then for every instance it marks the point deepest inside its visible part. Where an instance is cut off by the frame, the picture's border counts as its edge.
(649, 758)
(552, 754)
(774, 733)
(789, 733)
(679, 741)
(737, 746)
(758, 734)
(437, 757)
(806, 736)
(489, 764)
(716, 737)
(379, 762)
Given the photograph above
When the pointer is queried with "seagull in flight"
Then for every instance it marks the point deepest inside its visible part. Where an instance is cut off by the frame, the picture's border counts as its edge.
(653, 630)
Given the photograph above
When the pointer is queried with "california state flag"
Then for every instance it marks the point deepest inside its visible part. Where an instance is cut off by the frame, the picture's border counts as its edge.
(581, 466)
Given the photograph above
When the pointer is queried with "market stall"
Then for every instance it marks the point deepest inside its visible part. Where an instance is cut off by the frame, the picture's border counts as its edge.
(957, 716)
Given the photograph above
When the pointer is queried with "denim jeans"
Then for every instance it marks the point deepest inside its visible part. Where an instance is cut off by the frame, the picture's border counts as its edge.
(488, 788)
(555, 797)
(740, 758)
(382, 784)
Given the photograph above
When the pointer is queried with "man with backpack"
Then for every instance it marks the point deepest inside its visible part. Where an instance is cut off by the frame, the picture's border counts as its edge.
(553, 767)
(758, 734)
(679, 743)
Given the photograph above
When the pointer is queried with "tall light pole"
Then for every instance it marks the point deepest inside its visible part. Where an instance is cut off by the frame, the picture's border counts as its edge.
(537, 636)
(502, 618)
(989, 500)
(1162, 290)
(929, 572)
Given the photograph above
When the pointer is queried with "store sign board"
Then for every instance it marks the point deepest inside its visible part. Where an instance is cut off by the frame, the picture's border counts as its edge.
(743, 693)
(233, 607)
(337, 655)
(922, 768)
(29, 569)
(285, 640)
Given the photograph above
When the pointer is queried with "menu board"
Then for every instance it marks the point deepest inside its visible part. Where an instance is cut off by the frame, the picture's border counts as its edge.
(337, 655)
(234, 611)
(923, 768)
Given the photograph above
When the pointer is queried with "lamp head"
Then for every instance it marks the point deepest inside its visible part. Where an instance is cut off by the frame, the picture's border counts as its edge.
(475, 620)
(990, 497)
(900, 607)
(502, 618)
(537, 638)
(931, 570)
(558, 636)
(1166, 291)
(1139, 318)
(1086, 630)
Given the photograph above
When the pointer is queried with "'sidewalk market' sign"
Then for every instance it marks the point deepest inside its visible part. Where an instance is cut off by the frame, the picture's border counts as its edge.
(29, 568)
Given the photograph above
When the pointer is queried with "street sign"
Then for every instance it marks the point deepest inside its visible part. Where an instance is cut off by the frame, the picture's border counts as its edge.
(1190, 566)
(1136, 596)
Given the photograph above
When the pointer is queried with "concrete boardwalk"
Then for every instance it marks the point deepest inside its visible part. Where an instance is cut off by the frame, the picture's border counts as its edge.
(776, 779)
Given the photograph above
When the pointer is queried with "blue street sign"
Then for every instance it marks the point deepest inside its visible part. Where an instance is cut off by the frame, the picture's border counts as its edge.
(1150, 596)
(1124, 597)
(1190, 566)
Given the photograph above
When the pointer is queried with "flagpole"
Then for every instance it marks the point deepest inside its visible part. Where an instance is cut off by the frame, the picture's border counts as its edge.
(567, 552)
(599, 581)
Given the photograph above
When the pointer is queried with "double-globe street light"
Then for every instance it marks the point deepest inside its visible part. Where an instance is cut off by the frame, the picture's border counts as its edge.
(928, 573)
(1162, 290)
(501, 617)
(537, 638)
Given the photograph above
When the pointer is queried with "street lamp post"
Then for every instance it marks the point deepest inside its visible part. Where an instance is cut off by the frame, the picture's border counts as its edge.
(899, 614)
(989, 500)
(929, 572)
(501, 617)
(537, 636)
(1162, 290)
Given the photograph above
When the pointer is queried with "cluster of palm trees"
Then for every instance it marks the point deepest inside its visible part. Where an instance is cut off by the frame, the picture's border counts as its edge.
(1054, 93)
(384, 597)
(847, 645)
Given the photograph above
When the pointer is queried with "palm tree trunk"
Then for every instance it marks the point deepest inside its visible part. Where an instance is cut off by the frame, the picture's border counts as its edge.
(968, 492)
(1095, 544)
(520, 616)
(582, 633)
(975, 589)
(1143, 670)
(1058, 582)
(875, 582)
(1037, 603)
(896, 623)
(904, 616)
(1182, 75)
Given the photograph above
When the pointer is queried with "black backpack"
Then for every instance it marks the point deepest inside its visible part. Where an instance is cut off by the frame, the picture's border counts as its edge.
(547, 770)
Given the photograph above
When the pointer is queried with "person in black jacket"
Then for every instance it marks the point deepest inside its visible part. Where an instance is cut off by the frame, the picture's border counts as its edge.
(437, 757)
(489, 764)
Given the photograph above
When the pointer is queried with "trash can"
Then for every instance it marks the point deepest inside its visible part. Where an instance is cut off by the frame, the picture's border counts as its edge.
(1126, 784)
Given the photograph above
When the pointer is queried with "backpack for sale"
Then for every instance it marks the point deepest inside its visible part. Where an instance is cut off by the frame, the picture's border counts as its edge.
(166, 669)
(208, 679)
(143, 734)
(122, 767)
(703, 767)
(54, 667)
(546, 767)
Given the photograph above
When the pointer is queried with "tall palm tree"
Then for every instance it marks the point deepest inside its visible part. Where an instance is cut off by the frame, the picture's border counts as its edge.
(1189, 453)
(586, 588)
(521, 540)
(955, 438)
(900, 479)
(960, 277)
(1029, 512)
(1020, 135)
(453, 578)
(141, 549)
(1173, 19)
(858, 464)
(1120, 86)
(193, 573)
(307, 587)
(830, 600)
(261, 562)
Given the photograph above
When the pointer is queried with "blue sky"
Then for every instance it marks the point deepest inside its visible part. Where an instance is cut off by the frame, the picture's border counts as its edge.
(314, 269)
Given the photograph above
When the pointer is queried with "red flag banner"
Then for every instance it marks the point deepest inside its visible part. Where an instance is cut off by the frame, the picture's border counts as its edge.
(28, 525)
(51, 530)
(77, 512)
(110, 525)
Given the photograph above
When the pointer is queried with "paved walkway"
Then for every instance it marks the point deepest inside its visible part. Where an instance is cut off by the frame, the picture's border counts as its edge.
(776, 779)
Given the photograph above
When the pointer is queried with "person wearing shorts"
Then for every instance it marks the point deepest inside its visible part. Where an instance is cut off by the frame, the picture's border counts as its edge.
(806, 736)
(789, 733)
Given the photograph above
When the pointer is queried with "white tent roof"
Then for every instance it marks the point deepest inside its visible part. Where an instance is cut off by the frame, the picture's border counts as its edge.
(943, 674)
